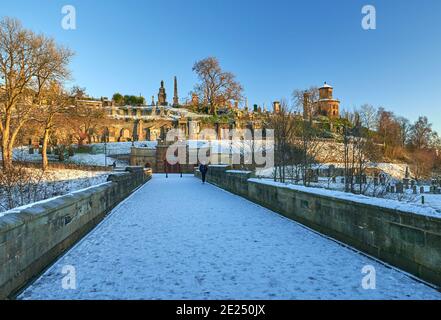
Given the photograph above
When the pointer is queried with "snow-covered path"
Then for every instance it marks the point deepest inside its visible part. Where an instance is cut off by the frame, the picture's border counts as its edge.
(178, 239)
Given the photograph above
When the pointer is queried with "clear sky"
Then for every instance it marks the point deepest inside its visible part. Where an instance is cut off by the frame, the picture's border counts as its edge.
(272, 46)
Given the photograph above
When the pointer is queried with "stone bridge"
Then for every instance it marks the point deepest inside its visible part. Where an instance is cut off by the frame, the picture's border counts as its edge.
(176, 238)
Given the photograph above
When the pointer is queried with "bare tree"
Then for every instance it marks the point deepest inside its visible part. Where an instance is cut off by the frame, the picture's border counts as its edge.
(19, 186)
(421, 134)
(304, 101)
(51, 114)
(389, 133)
(311, 146)
(284, 125)
(27, 63)
(216, 86)
(359, 151)
(83, 119)
(368, 116)
(422, 163)
(405, 129)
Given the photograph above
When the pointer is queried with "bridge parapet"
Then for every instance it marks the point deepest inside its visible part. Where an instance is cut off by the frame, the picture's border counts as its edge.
(33, 236)
(407, 240)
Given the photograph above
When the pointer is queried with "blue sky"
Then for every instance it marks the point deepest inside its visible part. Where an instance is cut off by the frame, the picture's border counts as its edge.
(273, 47)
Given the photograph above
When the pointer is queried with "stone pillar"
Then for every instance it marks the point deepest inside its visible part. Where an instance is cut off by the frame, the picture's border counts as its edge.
(175, 94)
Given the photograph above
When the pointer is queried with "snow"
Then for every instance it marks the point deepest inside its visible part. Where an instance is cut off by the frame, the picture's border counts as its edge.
(227, 146)
(237, 171)
(54, 182)
(93, 160)
(395, 170)
(30, 205)
(118, 148)
(177, 238)
(380, 202)
(96, 159)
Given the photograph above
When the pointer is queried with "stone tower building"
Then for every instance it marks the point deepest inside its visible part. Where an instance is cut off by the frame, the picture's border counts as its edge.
(162, 96)
(326, 105)
(276, 106)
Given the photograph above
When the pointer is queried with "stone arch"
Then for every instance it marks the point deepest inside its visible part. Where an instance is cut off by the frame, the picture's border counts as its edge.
(125, 135)
(105, 134)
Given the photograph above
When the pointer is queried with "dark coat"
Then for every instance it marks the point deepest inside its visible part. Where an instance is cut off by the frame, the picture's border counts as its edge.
(203, 168)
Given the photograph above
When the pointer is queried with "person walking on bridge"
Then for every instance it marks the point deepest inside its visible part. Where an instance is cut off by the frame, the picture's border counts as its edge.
(203, 168)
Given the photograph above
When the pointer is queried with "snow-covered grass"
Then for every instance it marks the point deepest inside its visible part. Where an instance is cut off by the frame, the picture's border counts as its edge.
(36, 185)
(394, 170)
(374, 193)
(403, 202)
(92, 159)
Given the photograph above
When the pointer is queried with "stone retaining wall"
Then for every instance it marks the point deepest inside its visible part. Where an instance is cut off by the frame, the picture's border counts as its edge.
(32, 237)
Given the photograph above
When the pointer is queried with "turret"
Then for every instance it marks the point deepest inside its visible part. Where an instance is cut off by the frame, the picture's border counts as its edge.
(276, 106)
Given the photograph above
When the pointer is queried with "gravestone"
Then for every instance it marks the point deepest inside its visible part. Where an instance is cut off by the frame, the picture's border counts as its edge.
(406, 183)
(399, 187)
(331, 170)
(421, 189)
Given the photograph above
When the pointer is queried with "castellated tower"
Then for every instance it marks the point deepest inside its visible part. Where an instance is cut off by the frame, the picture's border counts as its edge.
(327, 105)
(307, 106)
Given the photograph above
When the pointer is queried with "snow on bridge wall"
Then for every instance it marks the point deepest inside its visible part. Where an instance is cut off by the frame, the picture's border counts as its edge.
(32, 237)
(409, 241)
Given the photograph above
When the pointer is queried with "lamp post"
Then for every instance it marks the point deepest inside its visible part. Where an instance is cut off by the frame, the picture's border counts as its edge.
(105, 150)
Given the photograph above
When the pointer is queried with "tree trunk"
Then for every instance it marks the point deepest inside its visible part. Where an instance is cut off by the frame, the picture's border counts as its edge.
(44, 161)
(6, 151)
